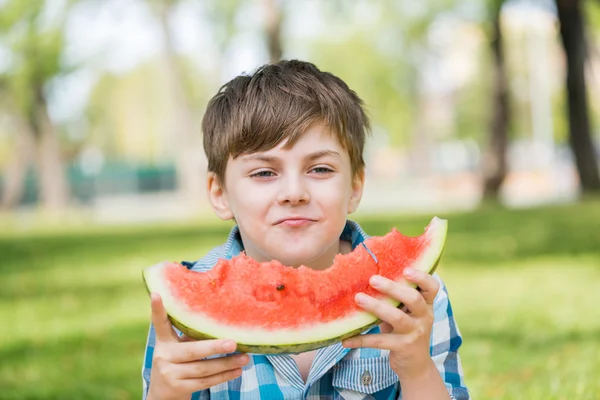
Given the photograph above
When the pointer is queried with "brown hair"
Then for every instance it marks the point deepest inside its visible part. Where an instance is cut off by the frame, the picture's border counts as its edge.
(254, 113)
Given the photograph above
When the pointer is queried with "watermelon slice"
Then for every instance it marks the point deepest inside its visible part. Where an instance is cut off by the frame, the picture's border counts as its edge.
(269, 308)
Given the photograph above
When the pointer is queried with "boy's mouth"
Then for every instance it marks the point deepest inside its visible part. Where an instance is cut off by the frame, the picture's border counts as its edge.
(295, 221)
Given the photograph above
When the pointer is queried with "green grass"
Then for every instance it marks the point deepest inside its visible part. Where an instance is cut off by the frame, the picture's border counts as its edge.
(524, 287)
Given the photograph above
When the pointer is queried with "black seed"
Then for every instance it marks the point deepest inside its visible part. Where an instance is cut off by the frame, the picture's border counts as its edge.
(280, 287)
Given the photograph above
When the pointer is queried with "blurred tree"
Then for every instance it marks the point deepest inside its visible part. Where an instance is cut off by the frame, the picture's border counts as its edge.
(272, 15)
(34, 40)
(129, 115)
(383, 83)
(190, 160)
(494, 161)
(573, 35)
(222, 14)
(23, 146)
(380, 49)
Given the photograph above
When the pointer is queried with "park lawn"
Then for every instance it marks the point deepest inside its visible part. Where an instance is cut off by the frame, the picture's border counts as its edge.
(523, 284)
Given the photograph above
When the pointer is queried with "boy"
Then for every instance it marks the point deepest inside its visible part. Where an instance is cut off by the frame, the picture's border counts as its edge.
(284, 149)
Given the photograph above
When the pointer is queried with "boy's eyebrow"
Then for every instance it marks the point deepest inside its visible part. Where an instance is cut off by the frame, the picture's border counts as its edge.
(322, 153)
(260, 157)
(272, 159)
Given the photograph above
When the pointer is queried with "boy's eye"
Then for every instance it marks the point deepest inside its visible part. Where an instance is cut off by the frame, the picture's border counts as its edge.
(262, 174)
(322, 170)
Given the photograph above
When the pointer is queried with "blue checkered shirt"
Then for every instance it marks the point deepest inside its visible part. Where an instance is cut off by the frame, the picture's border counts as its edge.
(336, 372)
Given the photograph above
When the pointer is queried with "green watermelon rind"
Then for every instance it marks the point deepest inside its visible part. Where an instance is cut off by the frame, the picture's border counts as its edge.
(428, 262)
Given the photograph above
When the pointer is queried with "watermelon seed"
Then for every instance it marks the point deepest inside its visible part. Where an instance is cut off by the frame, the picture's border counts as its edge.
(280, 287)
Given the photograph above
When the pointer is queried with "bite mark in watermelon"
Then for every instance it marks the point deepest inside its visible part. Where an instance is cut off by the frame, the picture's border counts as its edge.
(269, 308)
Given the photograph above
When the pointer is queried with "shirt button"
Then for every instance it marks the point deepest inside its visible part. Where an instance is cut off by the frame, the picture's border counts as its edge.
(366, 378)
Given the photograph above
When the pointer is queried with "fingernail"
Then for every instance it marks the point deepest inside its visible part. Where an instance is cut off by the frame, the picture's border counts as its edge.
(409, 272)
(229, 345)
(361, 298)
(376, 281)
(349, 343)
(241, 359)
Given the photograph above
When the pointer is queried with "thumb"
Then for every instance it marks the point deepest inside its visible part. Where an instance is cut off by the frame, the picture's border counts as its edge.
(160, 320)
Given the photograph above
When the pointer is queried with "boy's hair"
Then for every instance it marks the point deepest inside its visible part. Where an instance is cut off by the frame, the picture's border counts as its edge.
(254, 113)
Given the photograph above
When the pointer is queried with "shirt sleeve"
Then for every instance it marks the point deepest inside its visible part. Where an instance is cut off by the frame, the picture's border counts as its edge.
(147, 365)
(445, 342)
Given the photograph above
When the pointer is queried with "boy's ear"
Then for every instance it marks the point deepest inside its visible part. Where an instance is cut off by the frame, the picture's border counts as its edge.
(218, 197)
(358, 183)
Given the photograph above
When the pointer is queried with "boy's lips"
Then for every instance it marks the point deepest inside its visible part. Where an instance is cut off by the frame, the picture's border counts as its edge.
(295, 221)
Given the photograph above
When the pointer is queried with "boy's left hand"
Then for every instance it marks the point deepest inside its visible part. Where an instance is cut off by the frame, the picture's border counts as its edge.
(405, 333)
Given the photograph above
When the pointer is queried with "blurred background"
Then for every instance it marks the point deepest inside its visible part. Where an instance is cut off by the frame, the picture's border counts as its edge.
(485, 112)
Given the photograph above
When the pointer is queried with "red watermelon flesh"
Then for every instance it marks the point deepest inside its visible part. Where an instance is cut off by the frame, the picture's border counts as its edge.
(285, 297)
(270, 299)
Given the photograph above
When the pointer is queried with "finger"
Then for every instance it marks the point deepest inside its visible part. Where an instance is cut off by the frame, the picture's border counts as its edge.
(385, 327)
(192, 385)
(162, 325)
(196, 384)
(426, 283)
(384, 341)
(406, 295)
(194, 351)
(204, 368)
(385, 312)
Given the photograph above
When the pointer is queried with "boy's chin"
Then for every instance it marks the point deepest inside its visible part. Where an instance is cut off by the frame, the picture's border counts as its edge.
(296, 257)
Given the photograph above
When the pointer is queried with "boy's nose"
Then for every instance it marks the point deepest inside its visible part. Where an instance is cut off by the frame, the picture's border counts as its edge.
(293, 191)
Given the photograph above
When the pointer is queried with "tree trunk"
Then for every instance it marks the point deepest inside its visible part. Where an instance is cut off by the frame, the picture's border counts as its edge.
(273, 20)
(572, 33)
(16, 172)
(53, 187)
(495, 163)
(191, 160)
(420, 154)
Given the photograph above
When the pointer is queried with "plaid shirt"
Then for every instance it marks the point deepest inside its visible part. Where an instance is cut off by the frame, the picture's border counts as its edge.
(336, 372)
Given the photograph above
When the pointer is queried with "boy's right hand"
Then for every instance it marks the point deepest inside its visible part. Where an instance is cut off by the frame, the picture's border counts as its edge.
(177, 366)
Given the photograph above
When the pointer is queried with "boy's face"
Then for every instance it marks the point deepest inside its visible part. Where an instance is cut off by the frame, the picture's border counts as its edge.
(291, 205)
